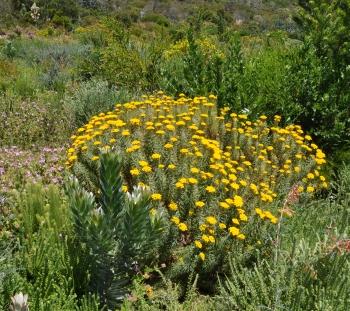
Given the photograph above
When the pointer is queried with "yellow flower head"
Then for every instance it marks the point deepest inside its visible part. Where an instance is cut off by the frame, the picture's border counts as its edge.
(173, 206)
(211, 220)
(182, 226)
(234, 231)
(198, 244)
(175, 220)
(156, 196)
(155, 156)
(199, 204)
(238, 201)
(210, 189)
(201, 256)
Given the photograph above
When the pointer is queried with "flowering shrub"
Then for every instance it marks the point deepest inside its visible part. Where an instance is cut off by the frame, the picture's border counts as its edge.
(210, 172)
(207, 46)
(18, 167)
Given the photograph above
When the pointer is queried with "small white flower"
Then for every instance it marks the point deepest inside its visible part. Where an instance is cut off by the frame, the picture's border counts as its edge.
(136, 195)
(19, 302)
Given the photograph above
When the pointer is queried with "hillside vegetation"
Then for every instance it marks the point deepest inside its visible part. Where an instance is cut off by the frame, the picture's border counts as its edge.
(174, 155)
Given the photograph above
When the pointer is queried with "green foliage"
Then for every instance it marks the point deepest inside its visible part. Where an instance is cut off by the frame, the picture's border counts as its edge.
(32, 122)
(292, 284)
(118, 230)
(309, 269)
(8, 49)
(165, 295)
(92, 97)
(229, 89)
(10, 279)
(156, 18)
(45, 272)
(51, 82)
(322, 71)
(63, 21)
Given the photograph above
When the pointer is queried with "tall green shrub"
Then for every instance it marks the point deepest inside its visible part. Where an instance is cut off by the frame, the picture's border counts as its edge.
(322, 71)
(119, 231)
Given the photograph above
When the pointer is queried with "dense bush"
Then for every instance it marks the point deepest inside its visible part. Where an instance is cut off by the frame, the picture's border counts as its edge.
(310, 263)
(32, 122)
(213, 174)
(92, 97)
(322, 72)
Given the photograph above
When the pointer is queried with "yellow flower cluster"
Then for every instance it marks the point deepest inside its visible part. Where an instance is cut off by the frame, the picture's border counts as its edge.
(207, 46)
(214, 171)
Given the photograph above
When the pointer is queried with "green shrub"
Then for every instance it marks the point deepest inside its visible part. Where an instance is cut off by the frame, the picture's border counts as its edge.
(92, 97)
(8, 49)
(324, 94)
(119, 231)
(36, 122)
(62, 21)
(157, 19)
(308, 269)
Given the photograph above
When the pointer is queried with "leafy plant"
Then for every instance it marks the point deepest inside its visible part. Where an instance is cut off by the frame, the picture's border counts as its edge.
(118, 229)
(322, 71)
(92, 97)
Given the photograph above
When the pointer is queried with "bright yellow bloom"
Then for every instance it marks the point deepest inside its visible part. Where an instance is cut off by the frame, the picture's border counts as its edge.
(156, 196)
(72, 158)
(235, 221)
(211, 220)
(310, 176)
(179, 185)
(205, 238)
(201, 256)
(155, 156)
(193, 181)
(238, 201)
(222, 226)
(182, 226)
(199, 204)
(202, 227)
(210, 189)
(147, 169)
(310, 189)
(198, 244)
(173, 206)
(224, 205)
(234, 231)
(194, 170)
(241, 236)
(175, 220)
(243, 217)
(143, 163)
(211, 239)
(134, 172)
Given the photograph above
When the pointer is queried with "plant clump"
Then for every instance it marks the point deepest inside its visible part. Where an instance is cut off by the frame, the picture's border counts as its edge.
(212, 172)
